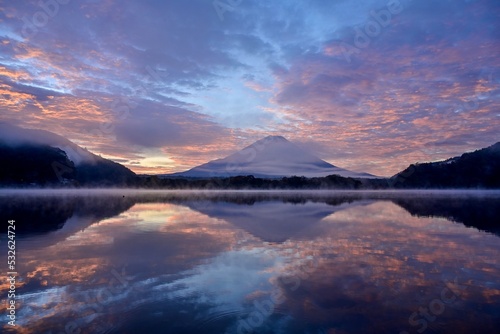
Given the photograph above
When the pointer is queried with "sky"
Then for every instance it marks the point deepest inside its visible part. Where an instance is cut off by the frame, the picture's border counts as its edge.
(163, 86)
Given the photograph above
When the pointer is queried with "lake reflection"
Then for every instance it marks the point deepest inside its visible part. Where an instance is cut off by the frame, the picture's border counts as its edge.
(262, 263)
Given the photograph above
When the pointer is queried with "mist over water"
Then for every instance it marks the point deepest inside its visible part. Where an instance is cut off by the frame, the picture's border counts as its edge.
(127, 261)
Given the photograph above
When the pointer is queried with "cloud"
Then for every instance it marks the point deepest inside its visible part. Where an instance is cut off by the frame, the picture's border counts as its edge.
(168, 126)
(38, 93)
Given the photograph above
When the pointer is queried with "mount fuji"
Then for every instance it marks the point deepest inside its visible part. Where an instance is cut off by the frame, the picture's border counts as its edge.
(270, 157)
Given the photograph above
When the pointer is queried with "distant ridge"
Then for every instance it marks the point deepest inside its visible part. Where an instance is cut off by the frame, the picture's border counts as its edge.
(270, 157)
(478, 169)
(40, 158)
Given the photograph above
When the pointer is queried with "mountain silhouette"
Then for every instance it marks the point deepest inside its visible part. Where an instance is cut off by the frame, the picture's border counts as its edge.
(40, 158)
(478, 169)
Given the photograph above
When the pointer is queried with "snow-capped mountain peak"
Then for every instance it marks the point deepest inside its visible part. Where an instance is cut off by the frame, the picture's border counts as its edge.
(270, 157)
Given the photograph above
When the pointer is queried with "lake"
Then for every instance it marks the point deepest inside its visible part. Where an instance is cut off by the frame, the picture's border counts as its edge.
(123, 261)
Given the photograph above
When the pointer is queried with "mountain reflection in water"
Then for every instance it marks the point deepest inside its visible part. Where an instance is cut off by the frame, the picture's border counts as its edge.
(267, 263)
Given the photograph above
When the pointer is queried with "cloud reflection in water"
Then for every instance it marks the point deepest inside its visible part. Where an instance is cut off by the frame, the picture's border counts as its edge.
(184, 264)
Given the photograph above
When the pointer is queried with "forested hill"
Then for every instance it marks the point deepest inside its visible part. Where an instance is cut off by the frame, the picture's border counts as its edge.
(478, 169)
(31, 164)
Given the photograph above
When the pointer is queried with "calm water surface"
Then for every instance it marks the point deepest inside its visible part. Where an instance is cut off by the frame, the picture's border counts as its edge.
(124, 262)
